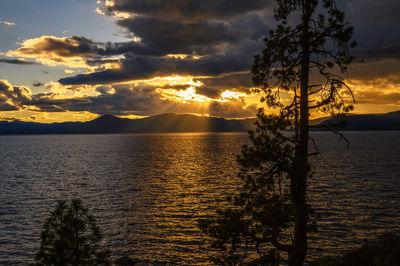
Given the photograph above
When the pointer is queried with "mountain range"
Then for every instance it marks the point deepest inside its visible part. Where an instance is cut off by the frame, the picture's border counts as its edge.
(388, 121)
(164, 123)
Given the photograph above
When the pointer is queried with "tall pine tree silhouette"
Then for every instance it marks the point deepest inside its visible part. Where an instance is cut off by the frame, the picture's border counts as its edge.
(304, 59)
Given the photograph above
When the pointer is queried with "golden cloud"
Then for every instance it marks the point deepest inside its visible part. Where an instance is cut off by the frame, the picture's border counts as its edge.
(53, 51)
(47, 117)
(60, 91)
(378, 91)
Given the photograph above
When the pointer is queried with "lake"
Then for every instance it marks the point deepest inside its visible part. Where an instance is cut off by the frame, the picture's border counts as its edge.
(148, 191)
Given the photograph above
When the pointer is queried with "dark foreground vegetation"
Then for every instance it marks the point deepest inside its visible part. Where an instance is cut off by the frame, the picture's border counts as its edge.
(70, 237)
(384, 251)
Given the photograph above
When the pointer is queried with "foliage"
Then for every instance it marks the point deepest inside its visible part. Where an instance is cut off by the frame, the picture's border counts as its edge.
(327, 37)
(252, 230)
(385, 251)
(262, 208)
(299, 72)
(70, 237)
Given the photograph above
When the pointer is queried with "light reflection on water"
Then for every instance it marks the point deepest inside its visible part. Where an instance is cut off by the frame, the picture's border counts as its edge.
(147, 191)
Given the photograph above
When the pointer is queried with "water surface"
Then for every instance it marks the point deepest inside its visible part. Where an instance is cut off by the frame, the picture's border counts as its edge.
(147, 191)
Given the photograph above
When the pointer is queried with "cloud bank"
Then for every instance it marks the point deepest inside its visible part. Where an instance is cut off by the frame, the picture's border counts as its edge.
(210, 42)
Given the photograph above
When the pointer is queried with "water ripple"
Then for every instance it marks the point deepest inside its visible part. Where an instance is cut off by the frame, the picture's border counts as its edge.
(147, 191)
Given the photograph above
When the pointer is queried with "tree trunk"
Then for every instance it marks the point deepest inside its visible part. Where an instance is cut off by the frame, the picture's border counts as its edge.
(76, 238)
(299, 179)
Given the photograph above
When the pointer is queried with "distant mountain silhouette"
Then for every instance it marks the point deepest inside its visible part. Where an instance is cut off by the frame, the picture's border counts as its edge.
(389, 121)
(111, 124)
(183, 123)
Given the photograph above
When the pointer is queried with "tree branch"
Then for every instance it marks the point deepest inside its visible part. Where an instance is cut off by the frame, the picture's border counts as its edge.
(333, 131)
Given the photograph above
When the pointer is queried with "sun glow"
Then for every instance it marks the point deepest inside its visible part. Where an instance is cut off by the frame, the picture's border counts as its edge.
(185, 96)
(110, 3)
(184, 89)
(190, 95)
(184, 56)
(231, 95)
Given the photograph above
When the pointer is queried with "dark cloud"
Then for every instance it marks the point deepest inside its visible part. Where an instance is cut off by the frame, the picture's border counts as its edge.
(62, 47)
(17, 61)
(68, 49)
(188, 10)
(4, 106)
(219, 39)
(51, 50)
(215, 29)
(124, 100)
(49, 104)
(232, 109)
(157, 38)
(139, 67)
(169, 37)
(376, 54)
(210, 92)
(113, 104)
(175, 87)
(37, 84)
(375, 27)
(118, 100)
(224, 34)
(134, 67)
(12, 98)
(375, 69)
(252, 24)
(17, 94)
(214, 86)
(96, 61)
(104, 89)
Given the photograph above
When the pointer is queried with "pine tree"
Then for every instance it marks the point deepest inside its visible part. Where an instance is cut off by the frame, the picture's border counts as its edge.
(305, 57)
(70, 237)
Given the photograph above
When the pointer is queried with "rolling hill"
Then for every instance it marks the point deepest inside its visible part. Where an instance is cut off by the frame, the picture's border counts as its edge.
(164, 123)
(111, 124)
(388, 121)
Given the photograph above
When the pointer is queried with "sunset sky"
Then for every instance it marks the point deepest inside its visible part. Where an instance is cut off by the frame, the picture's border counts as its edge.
(72, 60)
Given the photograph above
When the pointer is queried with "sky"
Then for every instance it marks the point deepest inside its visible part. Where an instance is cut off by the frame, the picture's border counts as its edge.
(73, 60)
